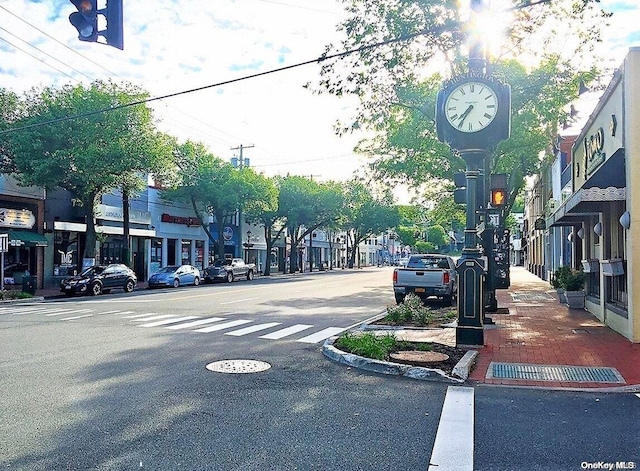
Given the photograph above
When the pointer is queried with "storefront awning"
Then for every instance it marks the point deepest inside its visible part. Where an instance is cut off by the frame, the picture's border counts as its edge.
(27, 238)
(584, 203)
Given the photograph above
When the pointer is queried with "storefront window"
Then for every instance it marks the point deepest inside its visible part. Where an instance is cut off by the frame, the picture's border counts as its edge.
(65, 253)
(186, 251)
(199, 254)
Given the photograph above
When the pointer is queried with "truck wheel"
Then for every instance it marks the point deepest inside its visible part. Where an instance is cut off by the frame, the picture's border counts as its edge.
(448, 300)
(399, 298)
(250, 275)
(229, 277)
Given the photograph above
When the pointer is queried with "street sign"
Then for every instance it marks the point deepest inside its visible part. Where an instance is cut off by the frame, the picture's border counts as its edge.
(4, 243)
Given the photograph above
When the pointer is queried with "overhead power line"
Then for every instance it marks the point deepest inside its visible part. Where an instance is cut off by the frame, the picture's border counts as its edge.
(317, 60)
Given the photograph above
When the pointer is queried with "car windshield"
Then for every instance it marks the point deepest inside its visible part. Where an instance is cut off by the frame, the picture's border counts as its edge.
(220, 263)
(167, 270)
(91, 270)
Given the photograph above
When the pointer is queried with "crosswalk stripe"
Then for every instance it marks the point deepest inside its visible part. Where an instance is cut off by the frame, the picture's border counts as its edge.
(322, 335)
(76, 317)
(28, 310)
(68, 311)
(117, 311)
(140, 315)
(152, 318)
(278, 334)
(453, 446)
(252, 329)
(195, 323)
(224, 325)
(168, 321)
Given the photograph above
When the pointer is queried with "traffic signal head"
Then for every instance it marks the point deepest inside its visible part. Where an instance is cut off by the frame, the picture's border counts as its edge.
(498, 197)
(85, 19)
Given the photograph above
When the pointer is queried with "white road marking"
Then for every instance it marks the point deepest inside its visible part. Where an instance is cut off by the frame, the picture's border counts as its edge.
(140, 315)
(196, 323)
(321, 335)
(453, 446)
(252, 329)
(224, 325)
(235, 301)
(69, 311)
(168, 321)
(76, 317)
(153, 318)
(278, 334)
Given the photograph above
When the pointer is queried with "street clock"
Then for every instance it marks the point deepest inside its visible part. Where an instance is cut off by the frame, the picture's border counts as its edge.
(473, 112)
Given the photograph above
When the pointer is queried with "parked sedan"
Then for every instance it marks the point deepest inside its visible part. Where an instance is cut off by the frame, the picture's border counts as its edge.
(175, 275)
(100, 279)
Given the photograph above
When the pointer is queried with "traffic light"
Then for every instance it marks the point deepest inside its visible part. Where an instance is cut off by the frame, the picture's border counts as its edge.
(460, 193)
(85, 20)
(498, 193)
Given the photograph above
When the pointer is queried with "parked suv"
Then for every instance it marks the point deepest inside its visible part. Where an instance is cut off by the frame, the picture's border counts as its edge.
(100, 279)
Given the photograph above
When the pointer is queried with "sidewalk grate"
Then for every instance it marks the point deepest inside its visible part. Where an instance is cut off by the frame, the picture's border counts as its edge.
(580, 374)
(531, 296)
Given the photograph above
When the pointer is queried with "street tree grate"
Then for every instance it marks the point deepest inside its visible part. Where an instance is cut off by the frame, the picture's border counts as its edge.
(578, 374)
(238, 366)
(531, 296)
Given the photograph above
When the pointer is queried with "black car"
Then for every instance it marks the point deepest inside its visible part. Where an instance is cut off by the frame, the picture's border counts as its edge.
(100, 279)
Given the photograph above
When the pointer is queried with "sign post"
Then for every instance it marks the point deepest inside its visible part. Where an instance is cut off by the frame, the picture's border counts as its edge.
(4, 247)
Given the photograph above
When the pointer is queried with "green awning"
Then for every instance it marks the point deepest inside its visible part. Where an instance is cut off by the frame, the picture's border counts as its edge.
(27, 238)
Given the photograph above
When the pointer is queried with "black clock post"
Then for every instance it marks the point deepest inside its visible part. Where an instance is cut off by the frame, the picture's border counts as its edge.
(473, 114)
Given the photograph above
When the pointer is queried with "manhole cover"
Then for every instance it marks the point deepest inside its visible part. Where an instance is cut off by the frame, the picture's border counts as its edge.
(581, 374)
(238, 366)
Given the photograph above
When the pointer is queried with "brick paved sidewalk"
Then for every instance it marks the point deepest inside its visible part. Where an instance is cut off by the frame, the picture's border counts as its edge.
(539, 330)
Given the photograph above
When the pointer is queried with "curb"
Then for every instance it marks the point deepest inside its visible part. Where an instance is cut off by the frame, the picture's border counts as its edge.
(23, 300)
(461, 370)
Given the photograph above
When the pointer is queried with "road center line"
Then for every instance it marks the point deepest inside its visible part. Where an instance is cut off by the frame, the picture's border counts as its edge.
(453, 446)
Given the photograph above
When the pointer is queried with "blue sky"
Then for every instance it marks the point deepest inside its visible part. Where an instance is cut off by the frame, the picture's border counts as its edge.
(172, 45)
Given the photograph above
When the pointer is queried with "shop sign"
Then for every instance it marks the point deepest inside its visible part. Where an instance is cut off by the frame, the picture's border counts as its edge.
(17, 218)
(227, 233)
(114, 213)
(540, 224)
(187, 221)
(594, 150)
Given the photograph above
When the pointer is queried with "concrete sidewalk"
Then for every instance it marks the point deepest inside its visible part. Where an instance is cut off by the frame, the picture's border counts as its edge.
(541, 342)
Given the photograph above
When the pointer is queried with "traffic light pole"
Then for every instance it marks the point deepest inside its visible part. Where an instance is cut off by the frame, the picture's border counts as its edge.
(471, 269)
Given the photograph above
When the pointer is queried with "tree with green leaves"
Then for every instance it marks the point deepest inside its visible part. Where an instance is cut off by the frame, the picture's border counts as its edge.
(61, 138)
(213, 187)
(396, 42)
(366, 215)
(306, 205)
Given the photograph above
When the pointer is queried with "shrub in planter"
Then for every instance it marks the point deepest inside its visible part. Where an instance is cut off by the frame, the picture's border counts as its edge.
(559, 278)
(574, 281)
(574, 290)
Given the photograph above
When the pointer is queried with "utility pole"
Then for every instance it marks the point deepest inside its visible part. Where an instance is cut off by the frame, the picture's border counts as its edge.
(241, 158)
(240, 167)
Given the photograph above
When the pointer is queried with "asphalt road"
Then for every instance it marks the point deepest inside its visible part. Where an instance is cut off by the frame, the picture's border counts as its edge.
(97, 383)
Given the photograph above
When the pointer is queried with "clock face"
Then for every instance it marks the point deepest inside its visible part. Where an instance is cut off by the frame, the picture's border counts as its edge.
(471, 107)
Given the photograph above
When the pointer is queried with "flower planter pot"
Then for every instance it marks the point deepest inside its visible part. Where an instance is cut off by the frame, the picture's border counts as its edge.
(575, 299)
(561, 296)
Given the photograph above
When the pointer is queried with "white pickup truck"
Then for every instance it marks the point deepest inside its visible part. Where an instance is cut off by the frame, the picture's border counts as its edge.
(426, 275)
